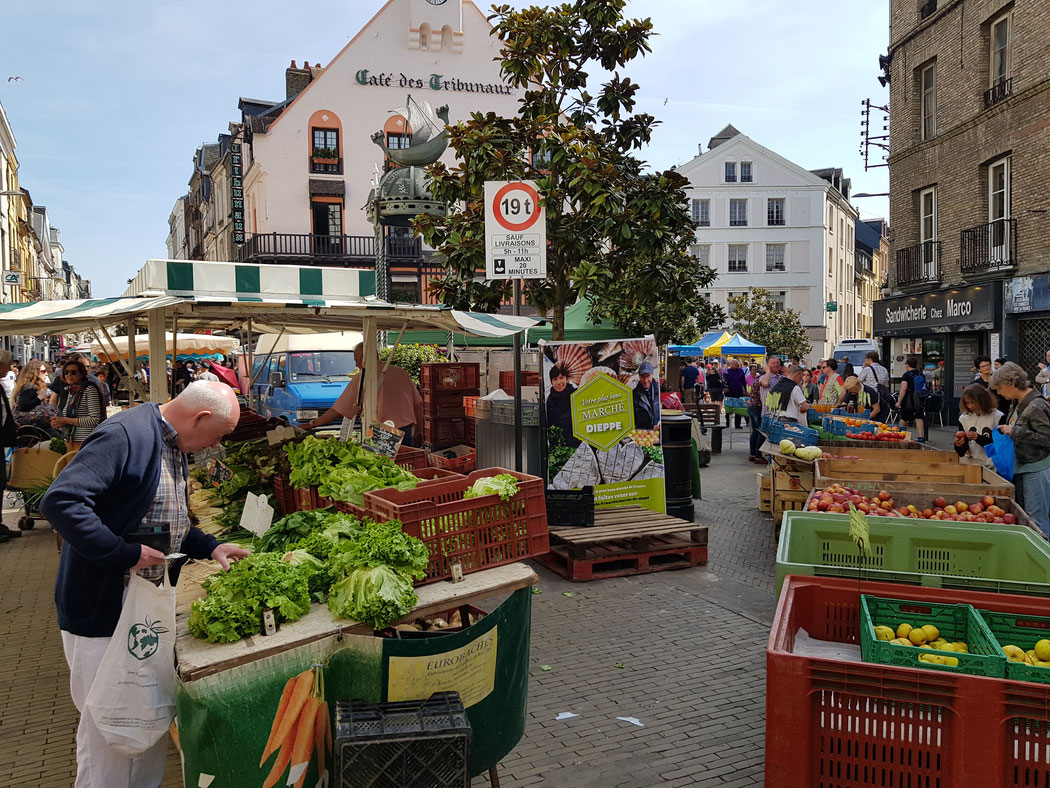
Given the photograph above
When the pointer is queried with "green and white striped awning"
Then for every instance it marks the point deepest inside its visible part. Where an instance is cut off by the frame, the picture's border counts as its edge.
(73, 316)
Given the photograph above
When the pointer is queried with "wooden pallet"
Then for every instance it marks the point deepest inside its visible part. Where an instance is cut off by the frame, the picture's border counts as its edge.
(625, 541)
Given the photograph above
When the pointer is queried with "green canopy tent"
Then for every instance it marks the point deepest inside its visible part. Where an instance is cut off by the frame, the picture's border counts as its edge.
(578, 327)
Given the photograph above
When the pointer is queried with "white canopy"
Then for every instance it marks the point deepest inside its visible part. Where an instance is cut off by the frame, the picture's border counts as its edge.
(182, 344)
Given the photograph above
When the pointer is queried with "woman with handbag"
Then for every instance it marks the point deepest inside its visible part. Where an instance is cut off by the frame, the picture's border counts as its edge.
(81, 407)
(30, 398)
(1028, 424)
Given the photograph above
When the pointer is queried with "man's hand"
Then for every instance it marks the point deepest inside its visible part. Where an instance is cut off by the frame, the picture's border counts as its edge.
(225, 553)
(148, 557)
(1006, 429)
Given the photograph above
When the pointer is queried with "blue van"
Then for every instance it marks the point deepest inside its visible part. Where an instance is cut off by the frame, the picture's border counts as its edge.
(297, 378)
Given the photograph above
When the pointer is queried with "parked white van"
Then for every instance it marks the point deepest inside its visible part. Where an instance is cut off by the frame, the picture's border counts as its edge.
(855, 350)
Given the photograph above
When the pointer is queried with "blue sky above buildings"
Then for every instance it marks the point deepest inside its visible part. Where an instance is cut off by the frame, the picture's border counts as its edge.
(116, 96)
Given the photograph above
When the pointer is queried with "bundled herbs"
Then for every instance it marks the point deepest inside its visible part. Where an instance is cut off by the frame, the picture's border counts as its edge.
(236, 598)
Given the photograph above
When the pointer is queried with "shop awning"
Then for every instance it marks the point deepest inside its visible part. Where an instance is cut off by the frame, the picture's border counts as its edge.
(73, 316)
(707, 346)
(738, 346)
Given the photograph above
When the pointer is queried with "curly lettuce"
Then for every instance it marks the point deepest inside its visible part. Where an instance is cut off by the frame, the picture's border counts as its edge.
(375, 595)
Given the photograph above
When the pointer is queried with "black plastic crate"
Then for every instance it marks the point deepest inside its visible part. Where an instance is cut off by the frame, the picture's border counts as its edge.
(570, 507)
(404, 744)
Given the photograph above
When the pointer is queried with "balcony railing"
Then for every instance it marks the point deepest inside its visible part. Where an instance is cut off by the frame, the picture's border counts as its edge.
(998, 92)
(989, 248)
(326, 166)
(919, 265)
(356, 250)
(928, 9)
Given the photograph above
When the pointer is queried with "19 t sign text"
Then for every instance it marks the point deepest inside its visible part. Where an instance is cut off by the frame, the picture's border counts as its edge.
(515, 231)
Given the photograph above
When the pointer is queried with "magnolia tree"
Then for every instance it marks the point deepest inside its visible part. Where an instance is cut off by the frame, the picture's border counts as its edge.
(616, 231)
(757, 317)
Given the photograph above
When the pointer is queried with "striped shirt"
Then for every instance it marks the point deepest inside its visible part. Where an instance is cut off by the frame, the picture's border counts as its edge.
(89, 414)
(170, 504)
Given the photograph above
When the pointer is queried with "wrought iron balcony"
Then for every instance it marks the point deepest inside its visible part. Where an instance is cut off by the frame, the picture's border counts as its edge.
(989, 249)
(301, 248)
(919, 264)
(998, 92)
(928, 9)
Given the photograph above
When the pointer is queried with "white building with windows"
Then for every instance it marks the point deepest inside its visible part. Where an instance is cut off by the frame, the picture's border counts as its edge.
(764, 221)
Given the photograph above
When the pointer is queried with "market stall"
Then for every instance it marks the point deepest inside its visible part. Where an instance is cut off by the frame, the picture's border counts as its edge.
(185, 347)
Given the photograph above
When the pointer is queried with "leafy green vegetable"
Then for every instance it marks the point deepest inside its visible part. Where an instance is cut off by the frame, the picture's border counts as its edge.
(297, 525)
(57, 445)
(318, 572)
(385, 544)
(344, 471)
(504, 485)
(374, 595)
(558, 453)
(654, 453)
(236, 598)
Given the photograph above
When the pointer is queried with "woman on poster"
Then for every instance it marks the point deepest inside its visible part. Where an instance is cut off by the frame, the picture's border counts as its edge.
(559, 404)
(646, 399)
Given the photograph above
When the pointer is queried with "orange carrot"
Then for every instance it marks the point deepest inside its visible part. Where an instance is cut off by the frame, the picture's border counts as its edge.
(328, 733)
(283, 758)
(303, 683)
(320, 727)
(304, 739)
(288, 685)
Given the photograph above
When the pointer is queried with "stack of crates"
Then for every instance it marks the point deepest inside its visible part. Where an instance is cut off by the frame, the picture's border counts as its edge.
(445, 421)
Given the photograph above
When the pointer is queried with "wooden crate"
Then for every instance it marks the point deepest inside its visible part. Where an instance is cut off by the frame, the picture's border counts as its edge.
(786, 501)
(900, 470)
(765, 492)
(801, 478)
(991, 484)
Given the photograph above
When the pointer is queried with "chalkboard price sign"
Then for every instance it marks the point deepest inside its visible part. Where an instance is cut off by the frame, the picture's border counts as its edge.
(219, 473)
(383, 439)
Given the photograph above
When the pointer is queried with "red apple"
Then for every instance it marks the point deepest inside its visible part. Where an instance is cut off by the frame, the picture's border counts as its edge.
(940, 503)
(823, 505)
(927, 513)
(883, 495)
(836, 508)
(998, 520)
(988, 501)
(1009, 519)
(975, 508)
(864, 508)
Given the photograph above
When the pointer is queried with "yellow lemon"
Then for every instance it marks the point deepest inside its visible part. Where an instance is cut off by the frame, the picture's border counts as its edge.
(883, 633)
(961, 647)
(932, 633)
(917, 637)
(903, 630)
(1042, 650)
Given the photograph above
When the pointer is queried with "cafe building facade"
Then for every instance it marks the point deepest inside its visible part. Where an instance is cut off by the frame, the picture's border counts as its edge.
(945, 330)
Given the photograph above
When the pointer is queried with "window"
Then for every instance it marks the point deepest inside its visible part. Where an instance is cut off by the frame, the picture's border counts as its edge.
(730, 172)
(702, 253)
(326, 143)
(929, 101)
(928, 215)
(705, 297)
(779, 299)
(702, 213)
(738, 213)
(775, 212)
(737, 258)
(831, 220)
(831, 261)
(999, 190)
(775, 257)
(397, 141)
(1001, 46)
(745, 172)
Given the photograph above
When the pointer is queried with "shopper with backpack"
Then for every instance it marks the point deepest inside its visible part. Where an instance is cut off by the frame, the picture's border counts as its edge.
(911, 400)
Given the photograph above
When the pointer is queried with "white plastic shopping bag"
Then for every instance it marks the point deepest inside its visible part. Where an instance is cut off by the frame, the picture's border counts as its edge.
(132, 699)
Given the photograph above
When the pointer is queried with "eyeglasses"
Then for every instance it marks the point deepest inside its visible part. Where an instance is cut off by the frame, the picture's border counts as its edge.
(71, 373)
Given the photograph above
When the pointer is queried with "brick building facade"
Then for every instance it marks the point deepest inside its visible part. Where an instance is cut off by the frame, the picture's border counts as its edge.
(969, 172)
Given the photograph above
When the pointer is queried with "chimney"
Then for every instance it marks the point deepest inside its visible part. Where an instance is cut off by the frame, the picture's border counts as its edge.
(699, 148)
(296, 79)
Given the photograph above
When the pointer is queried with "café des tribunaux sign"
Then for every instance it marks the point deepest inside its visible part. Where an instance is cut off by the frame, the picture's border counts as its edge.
(969, 309)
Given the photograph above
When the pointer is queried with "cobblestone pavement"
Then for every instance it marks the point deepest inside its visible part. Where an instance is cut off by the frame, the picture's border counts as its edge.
(682, 651)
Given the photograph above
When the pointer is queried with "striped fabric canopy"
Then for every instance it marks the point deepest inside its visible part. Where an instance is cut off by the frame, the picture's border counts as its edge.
(60, 317)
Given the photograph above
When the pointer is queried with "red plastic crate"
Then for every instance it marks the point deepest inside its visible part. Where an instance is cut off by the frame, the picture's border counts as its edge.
(468, 406)
(849, 724)
(506, 380)
(444, 431)
(450, 377)
(411, 458)
(426, 475)
(477, 533)
(443, 405)
(463, 464)
(284, 495)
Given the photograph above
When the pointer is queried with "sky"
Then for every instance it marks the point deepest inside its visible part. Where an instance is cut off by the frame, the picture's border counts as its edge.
(115, 96)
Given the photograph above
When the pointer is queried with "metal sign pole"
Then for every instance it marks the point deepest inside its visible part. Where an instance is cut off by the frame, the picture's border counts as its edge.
(517, 381)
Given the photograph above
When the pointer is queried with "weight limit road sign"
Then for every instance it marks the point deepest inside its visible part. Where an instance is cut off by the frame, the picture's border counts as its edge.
(515, 231)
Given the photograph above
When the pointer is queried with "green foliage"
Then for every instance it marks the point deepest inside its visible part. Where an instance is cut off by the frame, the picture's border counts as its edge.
(615, 230)
(375, 595)
(344, 471)
(558, 453)
(384, 544)
(756, 316)
(236, 598)
(504, 485)
(411, 357)
(296, 526)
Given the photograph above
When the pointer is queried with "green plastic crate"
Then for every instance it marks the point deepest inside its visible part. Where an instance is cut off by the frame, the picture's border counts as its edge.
(1022, 631)
(955, 622)
(981, 557)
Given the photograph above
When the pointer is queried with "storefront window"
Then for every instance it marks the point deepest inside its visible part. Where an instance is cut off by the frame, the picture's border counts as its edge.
(967, 348)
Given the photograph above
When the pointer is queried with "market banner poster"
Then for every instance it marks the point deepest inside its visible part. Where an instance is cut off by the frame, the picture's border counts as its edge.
(225, 719)
(601, 401)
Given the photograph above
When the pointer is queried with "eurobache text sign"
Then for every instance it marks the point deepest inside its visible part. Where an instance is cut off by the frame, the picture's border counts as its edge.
(973, 307)
(433, 81)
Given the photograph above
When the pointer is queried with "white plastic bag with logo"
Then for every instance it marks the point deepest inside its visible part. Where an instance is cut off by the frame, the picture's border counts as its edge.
(132, 699)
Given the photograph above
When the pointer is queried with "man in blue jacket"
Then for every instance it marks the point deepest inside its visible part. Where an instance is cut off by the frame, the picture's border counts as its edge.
(130, 475)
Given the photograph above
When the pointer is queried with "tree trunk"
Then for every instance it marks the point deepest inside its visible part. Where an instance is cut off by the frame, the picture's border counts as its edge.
(558, 321)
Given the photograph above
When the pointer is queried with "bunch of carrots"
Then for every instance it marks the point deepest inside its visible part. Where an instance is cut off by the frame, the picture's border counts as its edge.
(301, 725)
